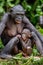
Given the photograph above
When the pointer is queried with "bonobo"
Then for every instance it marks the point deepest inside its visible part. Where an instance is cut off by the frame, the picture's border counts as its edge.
(11, 25)
(41, 21)
(26, 41)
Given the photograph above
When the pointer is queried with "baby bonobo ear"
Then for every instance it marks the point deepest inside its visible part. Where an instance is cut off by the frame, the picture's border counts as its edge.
(29, 35)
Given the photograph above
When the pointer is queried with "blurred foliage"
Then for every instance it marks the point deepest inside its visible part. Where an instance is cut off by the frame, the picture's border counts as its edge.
(22, 61)
(1, 45)
(35, 52)
(40, 29)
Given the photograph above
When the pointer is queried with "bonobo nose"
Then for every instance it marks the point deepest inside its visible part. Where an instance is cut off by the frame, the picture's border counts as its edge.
(18, 19)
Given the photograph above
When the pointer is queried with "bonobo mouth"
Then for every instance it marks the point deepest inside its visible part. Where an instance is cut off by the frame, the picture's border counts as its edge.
(18, 22)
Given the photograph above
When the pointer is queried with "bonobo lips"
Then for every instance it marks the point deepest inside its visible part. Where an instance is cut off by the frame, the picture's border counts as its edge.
(18, 22)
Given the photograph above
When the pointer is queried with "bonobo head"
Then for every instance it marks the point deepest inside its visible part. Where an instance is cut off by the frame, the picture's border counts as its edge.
(17, 13)
(26, 34)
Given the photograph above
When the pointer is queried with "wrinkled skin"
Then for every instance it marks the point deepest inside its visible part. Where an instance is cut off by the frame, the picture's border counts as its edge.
(9, 29)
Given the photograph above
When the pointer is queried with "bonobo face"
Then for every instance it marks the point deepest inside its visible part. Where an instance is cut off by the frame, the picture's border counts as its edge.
(17, 12)
(24, 36)
(18, 18)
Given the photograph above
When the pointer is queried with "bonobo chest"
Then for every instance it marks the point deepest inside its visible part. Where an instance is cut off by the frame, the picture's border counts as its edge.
(20, 27)
(13, 29)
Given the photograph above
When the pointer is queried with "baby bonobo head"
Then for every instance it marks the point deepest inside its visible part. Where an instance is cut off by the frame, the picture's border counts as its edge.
(26, 34)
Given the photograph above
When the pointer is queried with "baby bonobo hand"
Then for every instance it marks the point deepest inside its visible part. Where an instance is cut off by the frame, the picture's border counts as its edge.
(19, 36)
(29, 50)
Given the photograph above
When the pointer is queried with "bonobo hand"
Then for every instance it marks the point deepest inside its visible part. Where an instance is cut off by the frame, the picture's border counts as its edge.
(19, 36)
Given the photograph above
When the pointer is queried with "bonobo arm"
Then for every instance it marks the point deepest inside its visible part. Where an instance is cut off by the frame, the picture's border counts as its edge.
(31, 27)
(4, 56)
(9, 46)
(29, 43)
(22, 43)
(38, 43)
(3, 22)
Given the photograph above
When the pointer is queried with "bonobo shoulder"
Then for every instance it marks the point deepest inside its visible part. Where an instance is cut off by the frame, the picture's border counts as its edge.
(3, 22)
(5, 17)
(26, 20)
(7, 14)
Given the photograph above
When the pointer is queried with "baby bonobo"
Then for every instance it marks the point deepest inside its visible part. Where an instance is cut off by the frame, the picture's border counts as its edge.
(26, 42)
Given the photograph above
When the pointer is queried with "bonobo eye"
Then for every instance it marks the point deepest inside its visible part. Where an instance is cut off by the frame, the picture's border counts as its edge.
(19, 15)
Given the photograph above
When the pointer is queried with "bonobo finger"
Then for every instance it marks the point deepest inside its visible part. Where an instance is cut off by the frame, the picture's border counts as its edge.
(19, 36)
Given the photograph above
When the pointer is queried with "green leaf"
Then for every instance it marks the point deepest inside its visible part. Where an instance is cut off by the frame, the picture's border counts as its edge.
(2, 2)
(1, 10)
(9, 3)
(28, 7)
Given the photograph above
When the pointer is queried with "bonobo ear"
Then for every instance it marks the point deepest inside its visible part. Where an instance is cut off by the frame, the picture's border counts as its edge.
(11, 10)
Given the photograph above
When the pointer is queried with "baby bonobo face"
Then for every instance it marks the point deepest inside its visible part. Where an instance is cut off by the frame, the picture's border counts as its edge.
(24, 36)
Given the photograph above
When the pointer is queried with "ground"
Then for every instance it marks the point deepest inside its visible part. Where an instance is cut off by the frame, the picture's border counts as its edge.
(19, 60)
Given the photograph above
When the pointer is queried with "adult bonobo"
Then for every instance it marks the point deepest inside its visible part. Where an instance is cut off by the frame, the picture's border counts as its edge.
(11, 25)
